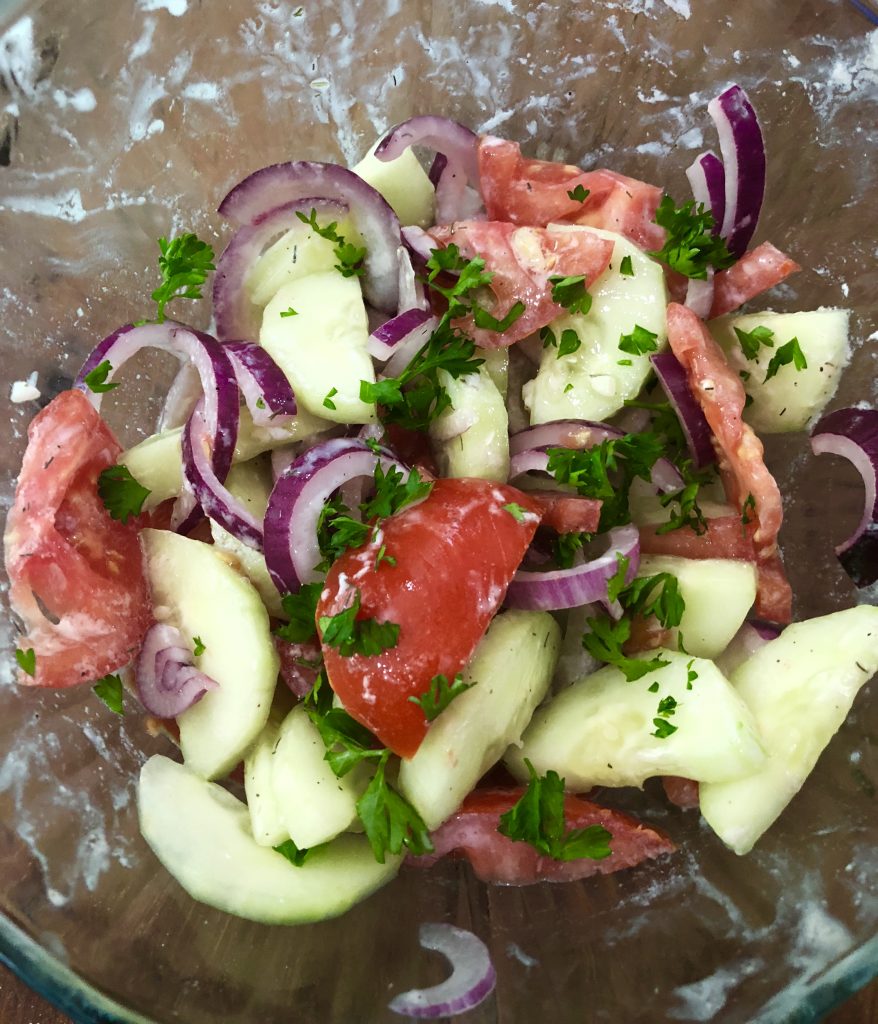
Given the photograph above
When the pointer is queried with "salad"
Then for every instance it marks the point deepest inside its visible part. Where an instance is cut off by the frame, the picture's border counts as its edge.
(456, 521)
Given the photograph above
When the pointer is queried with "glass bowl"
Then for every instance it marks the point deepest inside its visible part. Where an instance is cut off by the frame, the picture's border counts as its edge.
(121, 122)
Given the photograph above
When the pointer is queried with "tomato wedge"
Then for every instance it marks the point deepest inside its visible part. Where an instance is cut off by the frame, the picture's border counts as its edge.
(77, 579)
(754, 273)
(455, 555)
(472, 833)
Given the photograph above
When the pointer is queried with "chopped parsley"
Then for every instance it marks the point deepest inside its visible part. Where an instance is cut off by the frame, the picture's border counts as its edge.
(394, 491)
(667, 707)
(691, 247)
(289, 311)
(516, 511)
(570, 341)
(121, 494)
(688, 512)
(568, 387)
(350, 257)
(538, 820)
(791, 352)
(440, 694)
(566, 546)
(27, 661)
(571, 293)
(626, 267)
(579, 193)
(691, 674)
(488, 322)
(658, 596)
(293, 854)
(328, 401)
(744, 375)
(390, 822)
(350, 635)
(96, 379)
(638, 342)
(750, 341)
(382, 556)
(302, 610)
(110, 690)
(198, 647)
(663, 728)
(347, 742)
(624, 362)
(604, 641)
(653, 687)
(184, 264)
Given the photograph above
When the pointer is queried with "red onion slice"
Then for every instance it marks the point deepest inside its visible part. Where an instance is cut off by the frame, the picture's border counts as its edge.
(167, 681)
(672, 378)
(419, 244)
(263, 384)
(412, 293)
(853, 434)
(743, 151)
(699, 295)
(471, 981)
(409, 346)
(707, 177)
(215, 500)
(456, 180)
(267, 189)
(298, 497)
(583, 584)
(182, 396)
(235, 315)
(398, 332)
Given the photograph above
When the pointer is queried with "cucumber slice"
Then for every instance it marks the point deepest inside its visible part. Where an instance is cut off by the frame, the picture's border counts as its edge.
(482, 448)
(800, 688)
(266, 821)
(403, 184)
(323, 347)
(250, 482)
(314, 805)
(792, 398)
(294, 255)
(590, 383)
(511, 669)
(598, 732)
(157, 464)
(201, 833)
(718, 593)
(196, 590)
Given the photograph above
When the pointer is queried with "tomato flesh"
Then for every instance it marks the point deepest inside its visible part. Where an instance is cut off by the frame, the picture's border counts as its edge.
(455, 553)
(76, 575)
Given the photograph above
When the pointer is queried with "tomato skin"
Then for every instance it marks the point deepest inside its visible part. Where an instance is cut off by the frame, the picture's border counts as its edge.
(754, 273)
(62, 547)
(472, 833)
(568, 513)
(455, 555)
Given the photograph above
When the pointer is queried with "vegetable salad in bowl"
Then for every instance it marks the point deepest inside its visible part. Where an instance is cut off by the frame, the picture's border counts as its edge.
(456, 522)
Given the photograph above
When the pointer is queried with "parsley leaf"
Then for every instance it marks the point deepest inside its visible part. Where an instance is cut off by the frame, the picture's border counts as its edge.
(390, 822)
(350, 635)
(440, 694)
(96, 379)
(289, 311)
(689, 513)
(350, 257)
(198, 646)
(579, 193)
(27, 660)
(663, 728)
(571, 293)
(638, 342)
(791, 352)
(604, 642)
(751, 340)
(617, 582)
(566, 546)
(516, 511)
(747, 518)
(328, 402)
(570, 340)
(293, 854)
(691, 674)
(626, 267)
(482, 318)
(538, 820)
(302, 610)
(347, 742)
(121, 494)
(394, 491)
(657, 595)
(184, 264)
(110, 690)
(691, 247)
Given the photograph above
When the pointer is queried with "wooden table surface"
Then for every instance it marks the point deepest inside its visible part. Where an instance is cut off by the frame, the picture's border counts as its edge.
(18, 1005)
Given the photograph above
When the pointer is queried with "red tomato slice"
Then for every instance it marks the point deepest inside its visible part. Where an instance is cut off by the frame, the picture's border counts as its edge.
(472, 833)
(522, 260)
(754, 273)
(536, 193)
(76, 575)
(720, 393)
(567, 513)
(455, 555)
(682, 792)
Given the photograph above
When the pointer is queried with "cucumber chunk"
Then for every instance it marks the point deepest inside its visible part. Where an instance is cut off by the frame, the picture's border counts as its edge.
(250, 482)
(718, 593)
(599, 731)
(403, 184)
(195, 589)
(297, 253)
(481, 449)
(157, 464)
(266, 821)
(315, 805)
(511, 669)
(800, 688)
(590, 383)
(201, 834)
(792, 398)
(322, 348)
